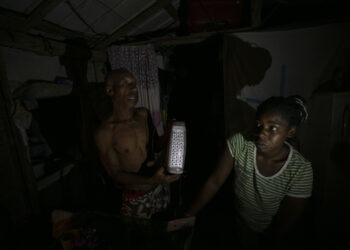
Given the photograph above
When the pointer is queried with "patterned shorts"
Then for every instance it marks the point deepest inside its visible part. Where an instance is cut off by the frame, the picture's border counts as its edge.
(144, 204)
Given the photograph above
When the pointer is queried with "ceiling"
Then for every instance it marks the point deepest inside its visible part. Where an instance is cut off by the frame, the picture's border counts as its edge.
(100, 22)
(104, 22)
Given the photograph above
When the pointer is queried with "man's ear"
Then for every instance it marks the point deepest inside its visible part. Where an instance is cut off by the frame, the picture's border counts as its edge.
(291, 131)
(109, 90)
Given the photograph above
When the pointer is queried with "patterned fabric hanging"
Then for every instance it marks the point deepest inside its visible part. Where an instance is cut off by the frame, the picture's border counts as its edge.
(142, 63)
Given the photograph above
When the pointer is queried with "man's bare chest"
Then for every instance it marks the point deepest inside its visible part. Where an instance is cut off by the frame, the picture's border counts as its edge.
(129, 137)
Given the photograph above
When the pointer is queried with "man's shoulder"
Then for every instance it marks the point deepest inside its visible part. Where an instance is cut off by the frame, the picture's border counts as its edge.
(143, 112)
(105, 125)
(104, 130)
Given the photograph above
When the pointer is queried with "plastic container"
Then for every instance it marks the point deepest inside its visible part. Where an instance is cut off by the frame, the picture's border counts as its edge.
(177, 148)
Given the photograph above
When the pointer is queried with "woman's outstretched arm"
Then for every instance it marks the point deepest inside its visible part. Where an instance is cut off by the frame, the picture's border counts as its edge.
(214, 183)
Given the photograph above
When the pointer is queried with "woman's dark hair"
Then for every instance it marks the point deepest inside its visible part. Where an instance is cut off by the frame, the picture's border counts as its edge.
(292, 108)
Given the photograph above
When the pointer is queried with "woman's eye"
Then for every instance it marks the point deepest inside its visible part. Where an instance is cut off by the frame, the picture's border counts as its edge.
(273, 128)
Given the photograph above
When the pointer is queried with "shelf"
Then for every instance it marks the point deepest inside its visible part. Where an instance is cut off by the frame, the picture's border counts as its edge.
(52, 178)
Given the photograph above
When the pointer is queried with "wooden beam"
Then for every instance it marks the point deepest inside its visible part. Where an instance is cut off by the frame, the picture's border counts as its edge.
(14, 21)
(155, 8)
(188, 39)
(52, 28)
(171, 11)
(10, 19)
(40, 12)
(39, 45)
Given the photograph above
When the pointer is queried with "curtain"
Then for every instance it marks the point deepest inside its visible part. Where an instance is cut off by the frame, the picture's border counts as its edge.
(141, 61)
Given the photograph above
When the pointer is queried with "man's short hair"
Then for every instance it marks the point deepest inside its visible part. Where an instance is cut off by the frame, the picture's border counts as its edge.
(117, 75)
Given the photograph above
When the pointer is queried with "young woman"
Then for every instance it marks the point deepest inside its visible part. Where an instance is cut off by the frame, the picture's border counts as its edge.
(272, 180)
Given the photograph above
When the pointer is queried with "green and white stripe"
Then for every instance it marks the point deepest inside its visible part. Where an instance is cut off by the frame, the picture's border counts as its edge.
(258, 197)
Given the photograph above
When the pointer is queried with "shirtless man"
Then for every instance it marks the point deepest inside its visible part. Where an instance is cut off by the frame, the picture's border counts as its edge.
(122, 141)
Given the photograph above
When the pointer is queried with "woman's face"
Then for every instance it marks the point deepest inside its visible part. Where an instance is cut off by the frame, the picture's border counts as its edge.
(272, 130)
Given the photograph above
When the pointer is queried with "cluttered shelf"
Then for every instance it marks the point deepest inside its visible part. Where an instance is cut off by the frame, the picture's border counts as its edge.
(46, 180)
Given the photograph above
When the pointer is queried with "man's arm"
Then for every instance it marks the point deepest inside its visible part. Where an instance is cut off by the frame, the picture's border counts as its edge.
(130, 179)
(213, 184)
(152, 146)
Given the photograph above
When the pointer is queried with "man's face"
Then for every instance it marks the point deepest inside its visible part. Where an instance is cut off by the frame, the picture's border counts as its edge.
(124, 91)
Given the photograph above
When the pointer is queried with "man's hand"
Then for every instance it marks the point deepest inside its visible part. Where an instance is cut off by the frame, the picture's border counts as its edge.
(161, 178)
(150, 163)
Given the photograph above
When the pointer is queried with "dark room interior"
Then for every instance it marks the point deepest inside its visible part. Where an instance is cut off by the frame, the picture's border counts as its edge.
(207, 63)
